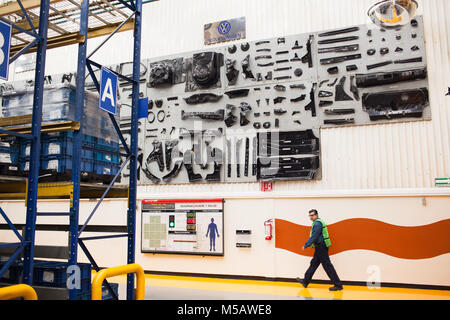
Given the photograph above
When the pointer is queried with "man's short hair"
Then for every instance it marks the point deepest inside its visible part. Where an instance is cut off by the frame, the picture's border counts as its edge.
(315, 211)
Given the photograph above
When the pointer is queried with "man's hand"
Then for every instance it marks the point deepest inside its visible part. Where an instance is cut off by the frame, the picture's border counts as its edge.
(303, 248)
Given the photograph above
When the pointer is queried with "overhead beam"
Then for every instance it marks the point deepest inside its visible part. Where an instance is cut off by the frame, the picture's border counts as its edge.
(13, 7)
(74, 38)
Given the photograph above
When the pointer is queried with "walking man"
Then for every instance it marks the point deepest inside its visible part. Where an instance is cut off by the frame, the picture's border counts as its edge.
(320, 241)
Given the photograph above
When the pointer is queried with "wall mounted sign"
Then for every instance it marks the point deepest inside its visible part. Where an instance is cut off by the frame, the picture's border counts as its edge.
(225, 30)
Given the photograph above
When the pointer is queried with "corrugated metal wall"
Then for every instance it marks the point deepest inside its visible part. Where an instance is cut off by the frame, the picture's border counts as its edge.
(406, 155)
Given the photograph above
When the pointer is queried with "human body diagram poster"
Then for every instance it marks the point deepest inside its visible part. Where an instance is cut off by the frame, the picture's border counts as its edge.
(193, 226)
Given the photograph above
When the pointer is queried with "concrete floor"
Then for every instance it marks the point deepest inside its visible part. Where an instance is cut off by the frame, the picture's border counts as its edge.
(195, 288)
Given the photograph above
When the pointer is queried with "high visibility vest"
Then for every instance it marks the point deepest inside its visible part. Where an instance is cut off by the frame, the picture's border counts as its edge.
(326, 237)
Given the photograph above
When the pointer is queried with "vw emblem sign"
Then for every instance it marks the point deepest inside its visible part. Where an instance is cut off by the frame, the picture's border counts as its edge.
(224, 27)
(225, 30)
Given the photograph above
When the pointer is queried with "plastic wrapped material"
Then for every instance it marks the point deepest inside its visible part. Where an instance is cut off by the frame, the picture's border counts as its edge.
(59, 105)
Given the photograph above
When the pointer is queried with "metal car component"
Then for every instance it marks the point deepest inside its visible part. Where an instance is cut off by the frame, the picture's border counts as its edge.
(298, 122)
(238, 157)
(161, 115)
(339, 121)
(247, 151)
(340, 59)
(371, 52)
(263, 50)
(230, 119)
(337, 40)
(150, 175)
(279, 87)
(323, 82)
(281, 40)
(281, 52)
(266, 125)
(228, 158)
(324, 103)
(354, 88)
(245, 46)
(151, 117)
(217, 115)
(232, 74)
(187, 160)
(278, 100)
(161, 73)
(297, 86)
(297, 46)
(300, 98)
(279, 112)
(156, 155)
(311, 106)
(263, 57)
(202, 98)
(298, 72)
(254, 155)
(340, 49)
(262, 42)
(257, 125)
(215, 175)
(339, 111)
(239, 93)
(246, 73)
(282, 61)
(232, 49)
(384, 51)
(341, 95)
(396, 104)
(352, 67)
(333, 83)
(378, 65)
(282, 78)
(206, 68)
(307, 58)
(245, 109)
(398, 49)
(340, 31)
(325, 94)
(269, 64)
(383, 78)
(158, 103)
(333, 70)
(282, 69)
(295, 58)
(412, 60)
(174, 172)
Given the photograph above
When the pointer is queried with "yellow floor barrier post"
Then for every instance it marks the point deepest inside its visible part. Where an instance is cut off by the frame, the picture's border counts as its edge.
(117, 271)
(18, 291)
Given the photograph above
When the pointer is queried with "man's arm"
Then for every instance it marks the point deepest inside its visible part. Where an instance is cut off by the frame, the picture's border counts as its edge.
(316, 231)
(217, 230)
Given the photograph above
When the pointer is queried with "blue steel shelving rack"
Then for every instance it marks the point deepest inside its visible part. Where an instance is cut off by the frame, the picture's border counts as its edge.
(27, 243)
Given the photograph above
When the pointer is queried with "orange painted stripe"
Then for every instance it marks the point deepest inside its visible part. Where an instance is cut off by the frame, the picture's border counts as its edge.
(418, 242)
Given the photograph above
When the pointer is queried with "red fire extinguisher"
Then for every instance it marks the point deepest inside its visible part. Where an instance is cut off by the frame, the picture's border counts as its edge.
(268, 229)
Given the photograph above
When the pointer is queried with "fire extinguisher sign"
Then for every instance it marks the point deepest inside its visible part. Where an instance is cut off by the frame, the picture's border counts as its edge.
(266, 186)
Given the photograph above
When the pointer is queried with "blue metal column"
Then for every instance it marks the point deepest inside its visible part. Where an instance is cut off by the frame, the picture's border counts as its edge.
(77, 140)
(32, 193)
(131, 219)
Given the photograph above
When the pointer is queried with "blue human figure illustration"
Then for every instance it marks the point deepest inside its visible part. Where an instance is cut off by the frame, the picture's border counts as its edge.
(212, 230)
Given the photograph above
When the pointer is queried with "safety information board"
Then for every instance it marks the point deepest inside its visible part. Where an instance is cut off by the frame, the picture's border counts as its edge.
(193, 226)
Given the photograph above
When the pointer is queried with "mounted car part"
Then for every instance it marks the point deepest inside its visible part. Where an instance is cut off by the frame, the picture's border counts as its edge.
(202, 98)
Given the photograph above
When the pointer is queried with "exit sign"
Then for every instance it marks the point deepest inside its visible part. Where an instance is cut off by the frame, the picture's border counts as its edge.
(442, 182)
(266, 186)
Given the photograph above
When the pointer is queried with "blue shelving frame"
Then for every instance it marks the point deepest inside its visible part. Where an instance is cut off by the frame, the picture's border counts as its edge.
(27, 243)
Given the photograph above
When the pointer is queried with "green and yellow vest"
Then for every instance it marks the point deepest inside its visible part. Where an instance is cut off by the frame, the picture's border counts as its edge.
(326, 237)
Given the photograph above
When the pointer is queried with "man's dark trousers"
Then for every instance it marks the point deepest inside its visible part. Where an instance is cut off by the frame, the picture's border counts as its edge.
(321, 256)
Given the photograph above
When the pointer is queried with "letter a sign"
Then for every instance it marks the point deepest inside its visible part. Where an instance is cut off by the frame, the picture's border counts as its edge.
(108, 91)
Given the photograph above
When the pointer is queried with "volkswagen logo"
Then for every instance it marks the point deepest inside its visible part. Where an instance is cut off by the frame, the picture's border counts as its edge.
(224, 27)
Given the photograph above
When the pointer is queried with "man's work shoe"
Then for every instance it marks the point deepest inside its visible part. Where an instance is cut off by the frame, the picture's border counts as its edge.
(301, 281)
(336, 288)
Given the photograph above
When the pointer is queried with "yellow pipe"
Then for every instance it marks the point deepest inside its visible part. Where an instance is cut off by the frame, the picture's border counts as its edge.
(17, 291)
(117, 271)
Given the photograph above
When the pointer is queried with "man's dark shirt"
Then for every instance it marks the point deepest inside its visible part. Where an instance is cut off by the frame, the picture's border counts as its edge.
(316, 236)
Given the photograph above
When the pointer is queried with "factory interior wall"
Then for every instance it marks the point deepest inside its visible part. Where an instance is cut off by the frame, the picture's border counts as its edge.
(377, 192)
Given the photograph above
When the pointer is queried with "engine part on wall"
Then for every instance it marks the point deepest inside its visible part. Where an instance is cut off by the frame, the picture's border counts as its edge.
(246, 72)
(232, 49)
(337, 40)
(187, 160)
(165, 73)
(339, 121)
(300, 98)
(174, 172)
(340, 49)
(217, 115)
(332, 70)
(156, 155)
(380, 64)
(307, 58)
(263, 57)
(268, 64)
(230, 119)
(352, 67)
(354, 88)
(232, 73)
(412, 60)
(311, 106)
(395, 104)
(245, 110)
(325, 103)
(298, 72)
(297, 46)
(170, 149)
(340, 59)
(288, 168)
(228, 157)
(247, 150)
(337, 32)
(206, 68)
(325, 94)
(238, 156)
(202, 98)
(245, 46)
(237, 93)
(341, 95)
(339, 111)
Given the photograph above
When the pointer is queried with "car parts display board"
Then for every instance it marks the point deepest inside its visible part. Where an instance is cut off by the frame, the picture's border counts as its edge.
(183, 226)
